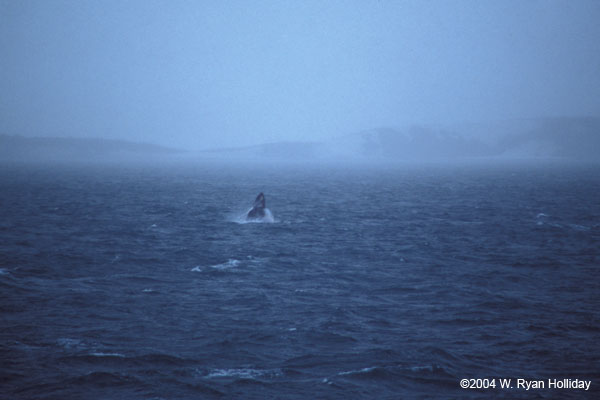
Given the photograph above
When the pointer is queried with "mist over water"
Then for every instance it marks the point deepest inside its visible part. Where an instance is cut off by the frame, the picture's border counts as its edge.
(544, 140)
(198, 76)
(431, 174)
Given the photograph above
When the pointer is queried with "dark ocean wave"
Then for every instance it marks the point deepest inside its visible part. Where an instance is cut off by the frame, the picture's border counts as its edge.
(367, 284)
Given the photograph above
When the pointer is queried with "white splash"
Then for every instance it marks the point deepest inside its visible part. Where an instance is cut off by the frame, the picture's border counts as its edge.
(242, 219)
(231, 263)
(429, 368)
(359, 371)
(245, 373)
(69, 343)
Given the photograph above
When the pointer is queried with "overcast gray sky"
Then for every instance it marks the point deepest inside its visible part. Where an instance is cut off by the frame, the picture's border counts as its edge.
(201, 74)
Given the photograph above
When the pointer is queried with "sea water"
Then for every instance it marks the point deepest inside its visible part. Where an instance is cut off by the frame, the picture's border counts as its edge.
(367, 283)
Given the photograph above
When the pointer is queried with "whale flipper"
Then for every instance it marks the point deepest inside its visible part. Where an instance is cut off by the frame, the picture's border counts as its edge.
(258, 210)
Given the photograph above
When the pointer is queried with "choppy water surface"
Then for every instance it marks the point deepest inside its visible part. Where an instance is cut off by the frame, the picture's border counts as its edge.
(382, 283)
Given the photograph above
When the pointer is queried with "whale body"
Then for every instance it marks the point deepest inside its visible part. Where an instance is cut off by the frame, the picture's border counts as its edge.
(258, 209)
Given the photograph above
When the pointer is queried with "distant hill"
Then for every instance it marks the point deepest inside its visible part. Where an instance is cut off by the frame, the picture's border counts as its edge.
(566, 138)
(31, 149)
(576, 138)
(412, 143)
(290, 151)
(569, 138)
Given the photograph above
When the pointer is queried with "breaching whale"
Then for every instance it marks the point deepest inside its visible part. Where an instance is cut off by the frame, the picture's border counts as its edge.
(258, 210)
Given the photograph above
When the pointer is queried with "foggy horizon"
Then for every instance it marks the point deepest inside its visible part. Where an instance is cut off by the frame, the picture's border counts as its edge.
(212, 75)
(317, 199)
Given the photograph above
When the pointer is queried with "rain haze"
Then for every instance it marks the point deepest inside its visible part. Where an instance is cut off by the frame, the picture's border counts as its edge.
(200, 75)
(296, 199)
